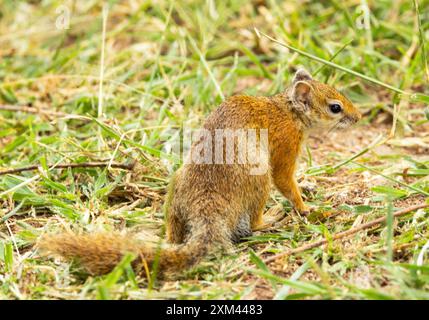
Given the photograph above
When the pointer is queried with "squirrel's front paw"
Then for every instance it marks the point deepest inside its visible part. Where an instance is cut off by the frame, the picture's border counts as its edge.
(304, 210)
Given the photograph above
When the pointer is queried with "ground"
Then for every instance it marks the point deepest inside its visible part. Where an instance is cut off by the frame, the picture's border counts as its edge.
(167, 65)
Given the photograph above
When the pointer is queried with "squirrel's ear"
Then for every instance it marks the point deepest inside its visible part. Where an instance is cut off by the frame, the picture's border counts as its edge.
(302, 75)
(301, 94)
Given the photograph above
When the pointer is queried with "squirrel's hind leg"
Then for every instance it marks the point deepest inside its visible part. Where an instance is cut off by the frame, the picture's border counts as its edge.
(175, 226)
(174, 221)
(242, 229)
(270, 219)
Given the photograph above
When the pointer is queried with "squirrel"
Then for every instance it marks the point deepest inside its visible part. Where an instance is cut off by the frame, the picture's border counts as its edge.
(211, 206)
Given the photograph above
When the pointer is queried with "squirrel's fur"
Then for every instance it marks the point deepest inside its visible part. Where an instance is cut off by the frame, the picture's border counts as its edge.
(100, 252)
(211, 206)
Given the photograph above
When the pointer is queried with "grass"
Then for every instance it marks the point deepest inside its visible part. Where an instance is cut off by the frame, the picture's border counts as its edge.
(168, 64)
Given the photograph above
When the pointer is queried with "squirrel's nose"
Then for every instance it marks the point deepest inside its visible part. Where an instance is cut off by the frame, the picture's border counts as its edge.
(356, 116)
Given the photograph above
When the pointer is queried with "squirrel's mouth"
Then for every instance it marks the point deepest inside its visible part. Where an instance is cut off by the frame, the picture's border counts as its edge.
(344, 123)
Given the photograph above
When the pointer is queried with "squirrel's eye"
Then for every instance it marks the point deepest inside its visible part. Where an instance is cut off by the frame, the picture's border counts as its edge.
(335, 108)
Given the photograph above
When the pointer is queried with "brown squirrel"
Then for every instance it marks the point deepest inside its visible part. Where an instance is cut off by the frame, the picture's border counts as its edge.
(210, 206)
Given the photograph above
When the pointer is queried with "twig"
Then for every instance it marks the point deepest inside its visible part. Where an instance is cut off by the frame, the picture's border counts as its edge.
(337, 236)
(72, 165)
(344, 234)
(28, 109)
(40, 111)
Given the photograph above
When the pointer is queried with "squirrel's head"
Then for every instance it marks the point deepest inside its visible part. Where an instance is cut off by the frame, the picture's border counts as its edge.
(320, 105)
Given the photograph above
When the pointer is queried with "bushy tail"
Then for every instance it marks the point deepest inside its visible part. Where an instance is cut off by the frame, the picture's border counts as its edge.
(99, 253)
